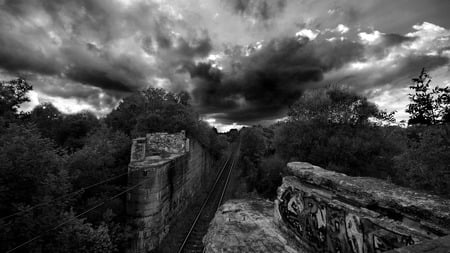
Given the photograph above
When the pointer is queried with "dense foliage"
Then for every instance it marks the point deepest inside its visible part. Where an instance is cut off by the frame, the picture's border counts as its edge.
(156, 110)
(340, 130)
(46, 155)
(51, 166)
(12, 94)
(260, 168)
(428, 106)
(335, 105)
(425, 163)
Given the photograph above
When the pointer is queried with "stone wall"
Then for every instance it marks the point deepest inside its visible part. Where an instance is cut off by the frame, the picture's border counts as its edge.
(247, 226)
(173, 169)
(331, 212)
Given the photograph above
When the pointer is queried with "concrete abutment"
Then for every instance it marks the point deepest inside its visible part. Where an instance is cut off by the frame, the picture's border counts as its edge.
(323, 211)
(167, 170)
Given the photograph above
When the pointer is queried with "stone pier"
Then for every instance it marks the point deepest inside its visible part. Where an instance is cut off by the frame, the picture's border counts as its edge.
(169, 170)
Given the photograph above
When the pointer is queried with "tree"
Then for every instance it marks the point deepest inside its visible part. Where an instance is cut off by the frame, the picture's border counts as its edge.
(32, 171)
(105, 155)
(48, 119)
(253, 148)
(336, 105)
(332, 127)
(12, 94)
(80, 236)
(152, 110)
(67, 130)
(74, 129)
(156, 110)
(425, 164)
(31, 168)
(428, 106)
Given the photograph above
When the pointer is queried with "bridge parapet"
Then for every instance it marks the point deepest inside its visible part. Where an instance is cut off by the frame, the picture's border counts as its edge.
(158, 146)
(167, 171)
(329, 211)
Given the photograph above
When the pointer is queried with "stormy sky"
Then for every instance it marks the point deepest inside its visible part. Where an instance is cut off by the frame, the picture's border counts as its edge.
(242, 61)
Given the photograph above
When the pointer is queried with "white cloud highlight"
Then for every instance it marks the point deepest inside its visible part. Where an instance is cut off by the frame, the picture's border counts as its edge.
(310, 34)
(369, 38)
(221, 127)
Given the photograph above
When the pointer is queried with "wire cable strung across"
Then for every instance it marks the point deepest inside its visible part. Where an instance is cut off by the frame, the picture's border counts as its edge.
(63, 196)
(99, 204)
(79, 215)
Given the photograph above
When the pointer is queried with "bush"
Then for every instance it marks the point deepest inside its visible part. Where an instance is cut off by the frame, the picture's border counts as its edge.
(269, 176)
(261, 173)
(355, 150)
(426, 163)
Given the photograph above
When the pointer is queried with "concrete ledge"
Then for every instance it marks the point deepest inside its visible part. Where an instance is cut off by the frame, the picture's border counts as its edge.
(430, 211)
(441, 245)
(247, 226)
(329, 211)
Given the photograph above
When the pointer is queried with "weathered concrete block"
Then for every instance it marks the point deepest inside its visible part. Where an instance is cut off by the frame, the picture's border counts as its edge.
(247, 225)
(168, 178)
(160, 143)
(429, 210)
(440, 245)
(329, 211)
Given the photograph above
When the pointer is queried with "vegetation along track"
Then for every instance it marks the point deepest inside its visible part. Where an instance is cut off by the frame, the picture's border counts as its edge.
(193, 240)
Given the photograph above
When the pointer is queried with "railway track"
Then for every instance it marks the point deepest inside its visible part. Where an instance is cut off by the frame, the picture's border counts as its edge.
(193, 240)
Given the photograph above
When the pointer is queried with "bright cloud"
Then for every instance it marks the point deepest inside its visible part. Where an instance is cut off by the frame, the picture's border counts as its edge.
(221, 127)
(310, 34)
(430, 38)
(342, 29)
(369, 38)
(243, 60)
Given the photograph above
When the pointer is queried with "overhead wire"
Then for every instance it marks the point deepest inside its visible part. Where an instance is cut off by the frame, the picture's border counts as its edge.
(68, 195)
(63, 196)
(84, 212)
(79, 215)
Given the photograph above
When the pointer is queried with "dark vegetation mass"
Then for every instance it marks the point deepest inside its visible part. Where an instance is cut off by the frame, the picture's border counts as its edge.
(50, 162)
(51, 165)
(337, 129)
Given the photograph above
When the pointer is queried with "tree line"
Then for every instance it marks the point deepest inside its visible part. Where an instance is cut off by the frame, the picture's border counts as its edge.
(55, 166)
(340, 130)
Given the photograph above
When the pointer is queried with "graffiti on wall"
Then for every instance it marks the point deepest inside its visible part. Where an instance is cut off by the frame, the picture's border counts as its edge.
(330, 228)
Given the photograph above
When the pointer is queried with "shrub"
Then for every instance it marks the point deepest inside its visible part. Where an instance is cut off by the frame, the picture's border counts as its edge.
(426, 163)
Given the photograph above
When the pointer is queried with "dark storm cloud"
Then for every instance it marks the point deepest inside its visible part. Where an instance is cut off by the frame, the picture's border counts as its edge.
(18, 54)
(265, 83)
(199, 47)
(393, 39)
(99, 50)
(96, 78)
(259, 9)
(96, 43)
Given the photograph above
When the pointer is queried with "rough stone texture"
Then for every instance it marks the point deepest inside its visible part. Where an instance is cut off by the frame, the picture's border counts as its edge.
(332, 212)
(157, 146)
(160, 143)
(441, 245)
(247, 226)
(430, 211)
(172, 173)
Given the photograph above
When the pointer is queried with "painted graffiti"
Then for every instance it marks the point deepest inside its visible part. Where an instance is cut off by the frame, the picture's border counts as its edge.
(330, 228)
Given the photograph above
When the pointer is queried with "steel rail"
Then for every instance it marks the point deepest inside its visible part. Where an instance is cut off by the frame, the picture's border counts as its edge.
(232, 157)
